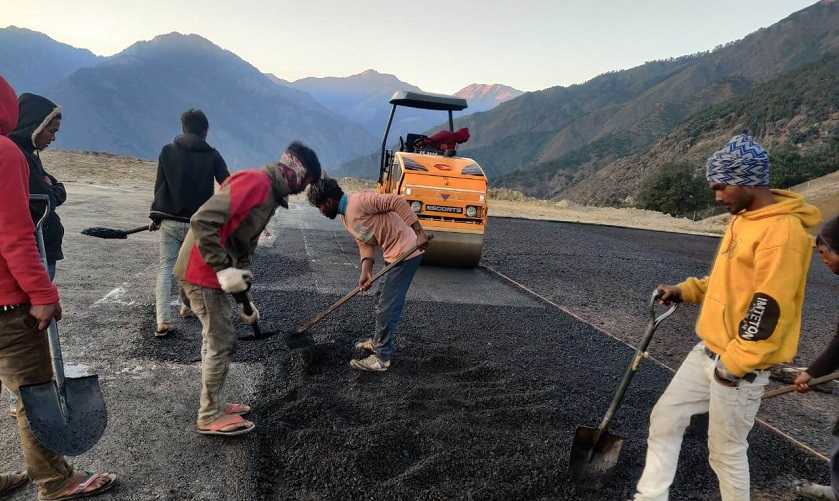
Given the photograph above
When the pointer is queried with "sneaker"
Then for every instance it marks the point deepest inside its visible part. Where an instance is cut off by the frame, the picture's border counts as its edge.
(370, 364)
(365, 344)
(162, 330)
(185, 312)
(809, 490)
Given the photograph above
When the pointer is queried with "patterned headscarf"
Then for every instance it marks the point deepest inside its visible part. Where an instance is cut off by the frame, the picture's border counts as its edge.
(293, 172)
(742, 162)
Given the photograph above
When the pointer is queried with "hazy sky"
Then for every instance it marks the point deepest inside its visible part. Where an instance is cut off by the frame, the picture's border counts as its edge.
(440, 46)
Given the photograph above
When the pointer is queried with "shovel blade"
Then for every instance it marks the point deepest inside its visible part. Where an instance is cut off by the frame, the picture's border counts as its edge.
(68, 430)
(592, 462)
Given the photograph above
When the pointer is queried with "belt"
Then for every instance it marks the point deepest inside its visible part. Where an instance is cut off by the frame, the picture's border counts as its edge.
(750, 377)
(5, 308)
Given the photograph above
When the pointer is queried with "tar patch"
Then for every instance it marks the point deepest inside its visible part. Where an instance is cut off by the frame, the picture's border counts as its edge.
(761, 318)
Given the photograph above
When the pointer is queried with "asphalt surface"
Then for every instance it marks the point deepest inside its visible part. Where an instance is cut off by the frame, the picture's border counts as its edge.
(602, 274)
(482, 400)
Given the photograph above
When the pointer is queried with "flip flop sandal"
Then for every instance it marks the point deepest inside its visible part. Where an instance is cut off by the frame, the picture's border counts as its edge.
(80, 491)
(228, 425)
(13, 481)
(237, 409)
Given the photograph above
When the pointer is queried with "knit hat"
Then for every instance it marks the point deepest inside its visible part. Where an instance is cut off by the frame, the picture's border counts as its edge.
(742, 162)
(829, 235)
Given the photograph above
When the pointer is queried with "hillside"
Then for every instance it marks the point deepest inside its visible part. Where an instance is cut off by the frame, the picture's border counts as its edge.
(796, 117)
(131, 102)
(32, 61)
(575, 130)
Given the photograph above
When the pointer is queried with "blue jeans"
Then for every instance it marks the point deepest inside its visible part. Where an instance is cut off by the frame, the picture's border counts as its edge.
(172, 234)
(390, 300)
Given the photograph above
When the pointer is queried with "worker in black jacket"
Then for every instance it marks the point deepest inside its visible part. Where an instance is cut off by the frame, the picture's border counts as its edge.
(828, 246)
(186, 171)
(38, 123)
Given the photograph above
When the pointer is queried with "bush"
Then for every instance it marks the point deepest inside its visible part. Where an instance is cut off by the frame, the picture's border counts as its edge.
(676, 190)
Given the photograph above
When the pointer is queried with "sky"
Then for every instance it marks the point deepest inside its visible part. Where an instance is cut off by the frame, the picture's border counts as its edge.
(440, 46)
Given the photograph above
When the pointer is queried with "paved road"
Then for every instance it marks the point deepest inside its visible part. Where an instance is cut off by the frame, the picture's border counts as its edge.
(481, 402)
(605, 275)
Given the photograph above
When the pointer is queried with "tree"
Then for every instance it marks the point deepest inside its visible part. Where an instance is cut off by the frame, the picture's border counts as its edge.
(675, 190)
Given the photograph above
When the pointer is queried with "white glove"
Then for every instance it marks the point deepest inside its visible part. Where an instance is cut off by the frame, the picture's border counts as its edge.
(234, 280)
(249, 319)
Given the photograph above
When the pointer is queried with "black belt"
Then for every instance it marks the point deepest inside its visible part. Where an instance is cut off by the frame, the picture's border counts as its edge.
(5, 308)
(750, 377)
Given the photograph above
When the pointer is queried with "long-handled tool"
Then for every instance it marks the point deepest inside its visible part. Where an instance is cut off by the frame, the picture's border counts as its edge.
(111, 233)
(813, 382)
(67, 415)
(245, 302)
(595, 451)
(320, 316)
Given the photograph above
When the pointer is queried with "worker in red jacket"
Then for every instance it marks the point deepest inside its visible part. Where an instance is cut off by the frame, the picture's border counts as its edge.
(28, 302)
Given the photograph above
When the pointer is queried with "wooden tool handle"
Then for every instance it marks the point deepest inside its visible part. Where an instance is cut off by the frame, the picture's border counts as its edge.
(320, 316)
(813, 382)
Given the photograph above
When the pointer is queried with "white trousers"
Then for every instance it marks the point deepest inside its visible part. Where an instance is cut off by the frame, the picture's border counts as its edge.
(731, 415)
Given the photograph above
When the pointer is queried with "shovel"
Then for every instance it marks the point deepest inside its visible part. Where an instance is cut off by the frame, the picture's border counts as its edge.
(111, 233)
(813, 382)
(320, 316)
(245, 303)
(67, 415)
(595, 451)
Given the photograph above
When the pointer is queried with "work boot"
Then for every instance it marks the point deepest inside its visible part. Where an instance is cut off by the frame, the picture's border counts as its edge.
(370, 364)
(365, 344)
(809, 490)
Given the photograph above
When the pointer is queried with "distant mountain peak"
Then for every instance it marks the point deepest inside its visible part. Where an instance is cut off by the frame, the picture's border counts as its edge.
(483, 97)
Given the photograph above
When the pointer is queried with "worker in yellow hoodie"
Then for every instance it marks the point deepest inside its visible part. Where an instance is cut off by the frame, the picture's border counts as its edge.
(750, 321)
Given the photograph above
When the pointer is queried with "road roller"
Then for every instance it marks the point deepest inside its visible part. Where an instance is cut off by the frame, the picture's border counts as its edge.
(447, 192)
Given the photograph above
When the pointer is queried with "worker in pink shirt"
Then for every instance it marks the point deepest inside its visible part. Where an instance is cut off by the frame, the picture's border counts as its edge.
(377, 220)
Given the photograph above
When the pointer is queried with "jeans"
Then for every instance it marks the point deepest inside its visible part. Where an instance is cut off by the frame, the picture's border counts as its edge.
(389, 304)
(731, 415)
(213, 309)
(25, 359)
(172, 234)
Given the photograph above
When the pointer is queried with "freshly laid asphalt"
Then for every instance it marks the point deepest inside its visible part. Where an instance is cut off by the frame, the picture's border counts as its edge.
(481, 402)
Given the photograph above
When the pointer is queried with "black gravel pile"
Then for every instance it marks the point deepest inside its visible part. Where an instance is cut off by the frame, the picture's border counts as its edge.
(481, 402)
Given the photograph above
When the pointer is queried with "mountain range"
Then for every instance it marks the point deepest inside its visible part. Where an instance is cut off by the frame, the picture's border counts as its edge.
(129, 103)
(593, 142)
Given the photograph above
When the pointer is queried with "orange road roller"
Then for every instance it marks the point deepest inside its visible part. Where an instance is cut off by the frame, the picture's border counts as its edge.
(447, 192)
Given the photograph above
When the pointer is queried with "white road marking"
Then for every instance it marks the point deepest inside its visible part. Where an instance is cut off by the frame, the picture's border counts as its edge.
(119, 296)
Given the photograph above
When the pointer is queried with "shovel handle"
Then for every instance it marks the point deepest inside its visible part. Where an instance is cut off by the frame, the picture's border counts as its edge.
(137, 230)
(337, 304)
(52, 330)
(789, 388)
(632, 368)
(243, 299)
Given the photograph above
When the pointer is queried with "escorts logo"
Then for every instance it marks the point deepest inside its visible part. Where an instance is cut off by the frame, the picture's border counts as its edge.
(761, 318)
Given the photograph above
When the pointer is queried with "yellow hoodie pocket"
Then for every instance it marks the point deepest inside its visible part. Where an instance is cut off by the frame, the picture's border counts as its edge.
(713, 324)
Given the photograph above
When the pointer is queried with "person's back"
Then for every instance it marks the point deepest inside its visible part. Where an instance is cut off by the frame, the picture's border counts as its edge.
(187, 169)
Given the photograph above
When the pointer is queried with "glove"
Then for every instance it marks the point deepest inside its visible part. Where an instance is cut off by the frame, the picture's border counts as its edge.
(234, 280)
(251, 319)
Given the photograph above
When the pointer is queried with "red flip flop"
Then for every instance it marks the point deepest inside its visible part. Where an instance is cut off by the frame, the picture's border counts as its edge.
(227, 425)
